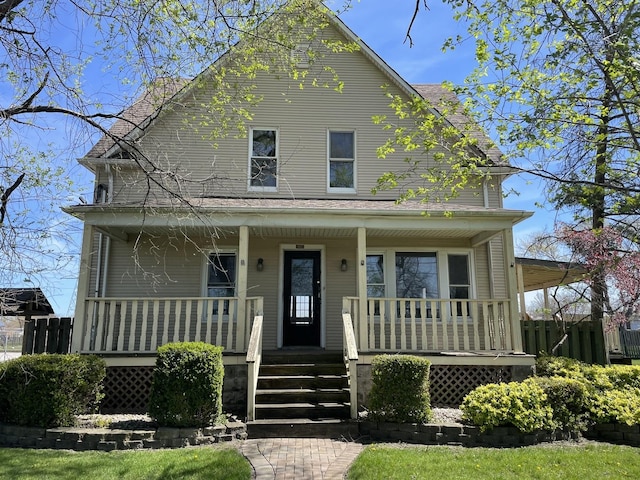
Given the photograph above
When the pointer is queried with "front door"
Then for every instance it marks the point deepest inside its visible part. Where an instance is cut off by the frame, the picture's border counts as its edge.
(301, 320)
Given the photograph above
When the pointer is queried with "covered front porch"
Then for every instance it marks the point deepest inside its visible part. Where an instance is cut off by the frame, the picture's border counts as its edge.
(461, 320)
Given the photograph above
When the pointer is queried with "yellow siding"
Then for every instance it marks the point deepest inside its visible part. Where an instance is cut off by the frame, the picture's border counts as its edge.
(178, 141)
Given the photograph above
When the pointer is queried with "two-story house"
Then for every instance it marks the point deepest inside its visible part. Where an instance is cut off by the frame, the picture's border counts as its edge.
(271, 241)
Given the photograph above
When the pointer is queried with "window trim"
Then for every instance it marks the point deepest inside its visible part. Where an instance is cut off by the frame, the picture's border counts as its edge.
(389, 262)
(350, 190)
(205, 276)
(256, 188)
(442, 259)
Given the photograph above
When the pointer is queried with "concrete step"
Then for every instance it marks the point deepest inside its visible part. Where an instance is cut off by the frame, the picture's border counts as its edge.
(296, 356)
(314, 411)
(301, 381)
(303, 428)
(303, 395)
(292, 369)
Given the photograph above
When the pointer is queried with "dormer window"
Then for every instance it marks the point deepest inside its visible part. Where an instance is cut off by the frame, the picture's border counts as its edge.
(101, 194)
(263, 159)
(342, 161)
(300, 55)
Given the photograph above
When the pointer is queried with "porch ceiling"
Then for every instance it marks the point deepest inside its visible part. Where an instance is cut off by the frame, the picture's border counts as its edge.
(371, 232)
(538, 274)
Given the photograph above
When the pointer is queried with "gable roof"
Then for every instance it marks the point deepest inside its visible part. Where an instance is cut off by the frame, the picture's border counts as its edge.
(438, 94)
(24, 301)
(150, 105)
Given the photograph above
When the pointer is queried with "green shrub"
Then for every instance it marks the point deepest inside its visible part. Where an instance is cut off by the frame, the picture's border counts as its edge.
(612, 390)
(616, 406)
(49, 390)
(400, 389)
(568, 399)
(523, 405)
(186, 389)
(612, 376)
(550, 366)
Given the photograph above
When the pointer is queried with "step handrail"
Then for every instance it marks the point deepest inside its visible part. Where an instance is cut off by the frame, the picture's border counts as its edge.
(254, 359)
(351, 361)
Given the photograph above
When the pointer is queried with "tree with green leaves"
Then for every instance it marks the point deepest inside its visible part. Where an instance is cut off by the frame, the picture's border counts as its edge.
(558, 84)
(75, 67)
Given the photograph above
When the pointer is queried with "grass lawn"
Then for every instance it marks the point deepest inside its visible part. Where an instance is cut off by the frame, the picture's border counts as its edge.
(186, 463)
(540, 463)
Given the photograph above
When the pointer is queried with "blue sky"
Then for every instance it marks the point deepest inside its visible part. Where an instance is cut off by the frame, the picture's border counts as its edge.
(383, 28)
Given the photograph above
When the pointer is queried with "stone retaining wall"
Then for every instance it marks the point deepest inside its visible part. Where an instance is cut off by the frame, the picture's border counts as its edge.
(456, 434)
(105, 439)
(615, 433)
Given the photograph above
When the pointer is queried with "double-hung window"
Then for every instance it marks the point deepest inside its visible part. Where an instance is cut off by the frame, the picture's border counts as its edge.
(263, 159)
(375, 279)
(221, 279)
(459, 279)
(342, 161)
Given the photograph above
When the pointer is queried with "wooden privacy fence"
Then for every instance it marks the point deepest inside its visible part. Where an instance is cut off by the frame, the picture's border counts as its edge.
(584, 342)
(630, 342)
(47, 335)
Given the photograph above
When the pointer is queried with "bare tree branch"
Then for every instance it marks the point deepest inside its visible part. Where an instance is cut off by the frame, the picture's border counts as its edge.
(4, 198)
(6, 6)
(416, 10)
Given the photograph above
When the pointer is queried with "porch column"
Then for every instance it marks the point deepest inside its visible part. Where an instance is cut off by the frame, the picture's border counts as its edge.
(512, 289)
(243, 254)
(362, 289)
(523, 305)
(83, 289)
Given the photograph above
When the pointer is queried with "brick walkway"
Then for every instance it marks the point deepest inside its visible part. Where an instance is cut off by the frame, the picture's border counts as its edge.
(300, 458)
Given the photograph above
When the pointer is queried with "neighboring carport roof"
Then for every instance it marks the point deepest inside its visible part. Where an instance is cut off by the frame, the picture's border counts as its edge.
(538, 274)
(20, 302)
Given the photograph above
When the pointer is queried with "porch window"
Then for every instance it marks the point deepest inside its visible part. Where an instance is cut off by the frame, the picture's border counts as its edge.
(417, 275)
(221, 279)
(459, 278)
(342, 159)
(375, 279)
(263, 159)
(375, 276)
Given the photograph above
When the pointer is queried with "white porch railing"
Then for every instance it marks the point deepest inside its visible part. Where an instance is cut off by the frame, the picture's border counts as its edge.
(430, 325)
(141, 325)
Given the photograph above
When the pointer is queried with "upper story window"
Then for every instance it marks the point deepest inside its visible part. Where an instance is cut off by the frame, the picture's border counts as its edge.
(263, 159)
(300, 55)
(342, 161)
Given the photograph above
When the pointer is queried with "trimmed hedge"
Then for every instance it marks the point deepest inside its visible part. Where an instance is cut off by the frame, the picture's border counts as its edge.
(186, 389)
(400, 390)
(49, 390)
